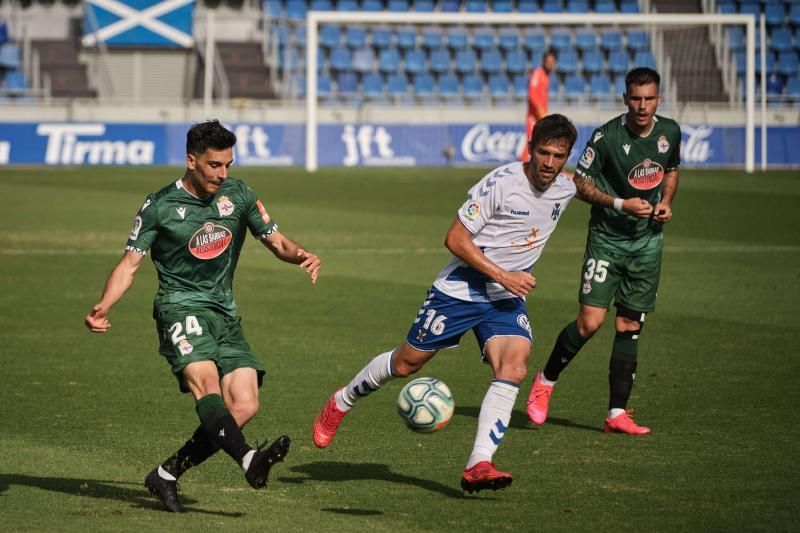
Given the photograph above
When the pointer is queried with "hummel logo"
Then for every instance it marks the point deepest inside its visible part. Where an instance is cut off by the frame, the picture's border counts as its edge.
(181, 211)
(598, 136)
(627, 148)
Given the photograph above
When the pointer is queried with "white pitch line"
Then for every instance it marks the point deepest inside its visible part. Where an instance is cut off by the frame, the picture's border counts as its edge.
(419, 251)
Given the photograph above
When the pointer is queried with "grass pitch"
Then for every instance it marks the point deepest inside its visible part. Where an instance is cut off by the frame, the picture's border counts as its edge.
(85, 417)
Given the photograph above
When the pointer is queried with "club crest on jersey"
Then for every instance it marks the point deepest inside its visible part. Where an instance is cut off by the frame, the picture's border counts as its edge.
(587, 157)
(264, 215)
(472, 210)
(663, 145)
(135, 229)
(210, 241)
(587, 287)
(225, 206)
(556, 211)
(646, 175)
(185, 347)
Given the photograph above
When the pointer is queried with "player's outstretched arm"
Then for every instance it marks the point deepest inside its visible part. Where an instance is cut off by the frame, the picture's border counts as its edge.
(117, 284)
(287, 250)
(589, 193)
(663, 209)
(459, 242)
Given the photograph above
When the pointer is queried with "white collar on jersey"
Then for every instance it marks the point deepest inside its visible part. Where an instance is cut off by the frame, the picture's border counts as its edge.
(624, 123)
(179, 185)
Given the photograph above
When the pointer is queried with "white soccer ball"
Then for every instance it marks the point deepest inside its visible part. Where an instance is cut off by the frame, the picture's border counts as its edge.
(426, 404)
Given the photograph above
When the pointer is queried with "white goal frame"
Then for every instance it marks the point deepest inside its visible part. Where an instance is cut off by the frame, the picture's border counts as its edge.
(315, 18)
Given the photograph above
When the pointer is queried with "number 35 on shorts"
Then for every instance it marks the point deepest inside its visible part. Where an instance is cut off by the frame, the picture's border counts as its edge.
(594, 270)
(190, 326)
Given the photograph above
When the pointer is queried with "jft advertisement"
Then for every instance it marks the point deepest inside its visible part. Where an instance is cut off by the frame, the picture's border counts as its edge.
(349, 144)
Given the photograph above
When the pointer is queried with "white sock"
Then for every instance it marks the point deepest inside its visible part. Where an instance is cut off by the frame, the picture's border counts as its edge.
(163, 474)
(545, 381)
(246, 459)
(614, 413)
(493, 420)
(369, 379)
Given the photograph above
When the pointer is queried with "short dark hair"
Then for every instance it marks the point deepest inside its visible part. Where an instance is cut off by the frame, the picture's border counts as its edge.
(551, 128)
(641, 76)
(209, 134)
(550, 52)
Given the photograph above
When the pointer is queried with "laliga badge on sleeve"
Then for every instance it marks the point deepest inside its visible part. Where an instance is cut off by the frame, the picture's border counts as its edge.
(472, 210)
(587, 157)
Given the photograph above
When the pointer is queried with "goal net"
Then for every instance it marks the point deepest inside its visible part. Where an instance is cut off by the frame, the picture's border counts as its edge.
(692, 53)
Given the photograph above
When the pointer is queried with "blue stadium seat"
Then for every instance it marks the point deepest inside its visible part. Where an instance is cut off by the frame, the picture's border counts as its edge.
(449, 6)
(593, 62)
(516, 62)
(414, 61)
(727, 8)
(793, 88)
(398, 6)
(611, 40)
(638, 40)
(508, 38)
(561, 39)
(618, 85)
(788, 63)
(15, 82)
(535, 42)
(750, 8)
(629, 7)
(440, 60)
(483, 38)
(9, 56)
(432, 37)
(741, 63)
(300, 36)
(329, 35)
(619, 62)
(600, 86)
(552, 6)
(774, 14)
(503, 6)
(735, 38)
(364, 60)
(528, 6)
(604, 6)
(586, 39)
(555, 85)
(296, 9)
(781, 40)
(574, 87)
(475, 6)
(567, 62)
(457, 37)
(324, 86)
(519, 86)
(272, 8)
(466, 61)
(319, 5)
(341, 59)
(389, 60)
(448, 87)
(644, 58)
(424, 6)
(794, 16)
(347, 84)
(577, 6)
(491, 62)
(372, 6)
(472, 85)
(772, 64)
(499, 87)
(372, 85)
(356, 36)
(346, 5)
(406, 37)
(381, 36)
(423, 86)
(397, 86)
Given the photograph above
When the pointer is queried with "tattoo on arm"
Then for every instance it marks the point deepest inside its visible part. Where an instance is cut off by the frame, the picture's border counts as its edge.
(590, 194)
(669, 187)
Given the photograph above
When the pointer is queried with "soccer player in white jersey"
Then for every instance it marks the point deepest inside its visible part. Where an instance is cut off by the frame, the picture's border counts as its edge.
(496, 237)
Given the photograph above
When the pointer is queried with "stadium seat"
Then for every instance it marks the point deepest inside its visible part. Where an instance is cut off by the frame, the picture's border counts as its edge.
(793, 88)
(577, 6)
(341, 59)
(552, 6)
(356, 36)
(372, 85)
(499, 87)
(638, 40)
(599, 86)
(296, 9)
(574, 87)
(414, 61)
(449, 6)
(372, 6)
(424, 87)
(586, 39)
(619, 85)
(457, 37)
(347, 84)
(503, 6)
(727, 8)
(491, 62)
(604, 6)
(381, 36)
(329, 35)
(475, 6)
(389, 60)
(424, 6)
(406, 37)
(508, 38)
(272, 8)
(528, 6)
(440, 60)
(466, 61)
(772, 63)
(750, 8)
(535, 42)
(644, 58)
(629, 7)
(519, 86)
(561, 39)
(516, 62)
(611, 40)
(619, 62)
(483, 38)
(794, 15)
(9, 56)
(472, 85)
(774, 14)
(324, 86)
(398, 6)
(736, 38)
(788, 63)
(780, 40)
(593, 62)
(448, 87)
(567, 62)
(555, 85)
(320, 5)
(397, 86)
(14, 82)
(364, 60)
(432, 37)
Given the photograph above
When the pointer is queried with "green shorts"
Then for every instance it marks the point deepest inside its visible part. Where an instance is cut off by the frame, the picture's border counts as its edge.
(200, 334)
(630, 281)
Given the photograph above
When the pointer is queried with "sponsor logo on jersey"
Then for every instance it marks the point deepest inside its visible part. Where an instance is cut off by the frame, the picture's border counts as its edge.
(181, 211)
(224, 206)
(135, 228)
(185, 347)
(523, 322)
(587, 157)
(646, 175)
(263, 211)
(520, 213)
(663, 144)
(598, 136)
(210, 241)
(556, 211)
(480, 144)
(472, 210)
(627, 148)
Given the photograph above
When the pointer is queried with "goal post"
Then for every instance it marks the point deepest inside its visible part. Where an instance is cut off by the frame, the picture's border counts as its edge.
(316, 18)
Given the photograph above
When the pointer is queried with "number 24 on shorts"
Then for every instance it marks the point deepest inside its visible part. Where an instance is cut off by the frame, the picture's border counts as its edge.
(596, 269)
(193, 327)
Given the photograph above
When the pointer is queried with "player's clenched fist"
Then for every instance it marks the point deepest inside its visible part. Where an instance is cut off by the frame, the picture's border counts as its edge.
(637, 207)
(518, 283)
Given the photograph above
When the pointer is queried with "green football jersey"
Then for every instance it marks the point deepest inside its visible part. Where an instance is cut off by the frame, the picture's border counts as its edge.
(195, 243)
(625, 165)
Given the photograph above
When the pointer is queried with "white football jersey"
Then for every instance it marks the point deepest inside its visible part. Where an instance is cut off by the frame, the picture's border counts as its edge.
(510, 222)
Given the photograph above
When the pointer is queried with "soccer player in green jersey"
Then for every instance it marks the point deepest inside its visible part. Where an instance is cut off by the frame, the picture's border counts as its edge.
(629, 173)
(194, 229)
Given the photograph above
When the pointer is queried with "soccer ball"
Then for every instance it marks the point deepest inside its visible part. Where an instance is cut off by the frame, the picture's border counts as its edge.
(426, 404)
